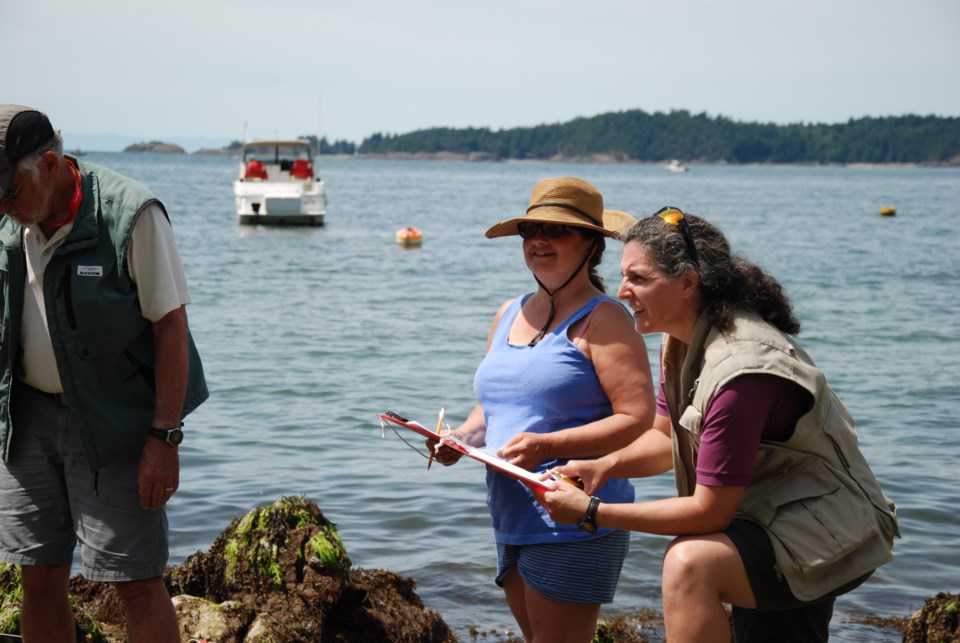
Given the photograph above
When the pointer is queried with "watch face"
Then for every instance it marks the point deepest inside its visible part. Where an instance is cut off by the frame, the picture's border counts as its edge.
(587, 526)
(170, 436)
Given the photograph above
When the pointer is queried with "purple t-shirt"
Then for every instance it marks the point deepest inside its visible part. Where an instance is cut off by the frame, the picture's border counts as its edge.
(746, 410)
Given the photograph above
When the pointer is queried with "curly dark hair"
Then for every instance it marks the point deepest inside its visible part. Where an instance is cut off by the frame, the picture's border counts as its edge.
(727, 282)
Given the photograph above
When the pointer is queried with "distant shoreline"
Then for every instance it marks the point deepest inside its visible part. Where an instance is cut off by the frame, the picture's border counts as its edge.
(599, 159)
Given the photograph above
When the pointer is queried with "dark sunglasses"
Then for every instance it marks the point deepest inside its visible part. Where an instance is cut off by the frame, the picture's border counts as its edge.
(674, 216)
(11, 195)
(529, 229)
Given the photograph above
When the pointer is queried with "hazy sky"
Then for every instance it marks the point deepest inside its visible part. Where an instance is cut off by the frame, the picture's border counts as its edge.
(187, 69)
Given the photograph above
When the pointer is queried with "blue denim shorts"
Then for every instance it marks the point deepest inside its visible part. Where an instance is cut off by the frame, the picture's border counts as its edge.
(584, 572)
(50, 500)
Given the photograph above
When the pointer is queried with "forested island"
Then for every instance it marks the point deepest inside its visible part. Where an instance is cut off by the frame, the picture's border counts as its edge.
(638, 136)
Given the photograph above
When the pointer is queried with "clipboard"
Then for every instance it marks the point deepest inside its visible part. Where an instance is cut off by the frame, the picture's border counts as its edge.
(416, 427)
(527, 477)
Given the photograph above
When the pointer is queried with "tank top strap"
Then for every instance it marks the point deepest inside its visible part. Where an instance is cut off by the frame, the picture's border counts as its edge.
(587, 308)
(502, 332)
(586, 322)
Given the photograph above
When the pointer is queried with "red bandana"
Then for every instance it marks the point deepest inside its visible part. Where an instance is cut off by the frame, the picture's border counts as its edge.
(75, 201)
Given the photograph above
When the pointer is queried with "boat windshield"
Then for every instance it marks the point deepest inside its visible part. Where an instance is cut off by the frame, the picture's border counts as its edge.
(276, 153)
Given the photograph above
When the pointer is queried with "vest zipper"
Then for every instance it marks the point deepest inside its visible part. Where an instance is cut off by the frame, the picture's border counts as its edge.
(64, 291)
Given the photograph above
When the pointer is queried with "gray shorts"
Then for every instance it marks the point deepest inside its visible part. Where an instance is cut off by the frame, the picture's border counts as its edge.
(50, 499)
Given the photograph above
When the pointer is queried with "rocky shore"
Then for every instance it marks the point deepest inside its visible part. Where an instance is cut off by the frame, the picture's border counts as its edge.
(281, 574)
(157, 147)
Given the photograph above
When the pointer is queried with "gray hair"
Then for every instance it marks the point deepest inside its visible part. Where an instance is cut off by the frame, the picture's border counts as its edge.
(28, 164)
(728, 282)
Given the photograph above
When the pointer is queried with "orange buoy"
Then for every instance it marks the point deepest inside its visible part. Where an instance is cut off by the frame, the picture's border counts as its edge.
(888, 211)
(409, 237)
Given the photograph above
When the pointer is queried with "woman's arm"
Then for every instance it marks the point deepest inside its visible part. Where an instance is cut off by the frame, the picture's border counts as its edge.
(707, 511)
(619, 356)
(742, 411)
(649, 455)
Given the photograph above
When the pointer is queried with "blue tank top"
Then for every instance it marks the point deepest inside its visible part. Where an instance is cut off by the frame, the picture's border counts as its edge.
(539, 389)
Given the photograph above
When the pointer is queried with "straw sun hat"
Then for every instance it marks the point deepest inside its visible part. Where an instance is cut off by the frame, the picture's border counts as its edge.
(571, 201)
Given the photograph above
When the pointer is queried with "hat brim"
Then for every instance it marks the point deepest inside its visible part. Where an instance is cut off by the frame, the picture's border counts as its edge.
(615, 222)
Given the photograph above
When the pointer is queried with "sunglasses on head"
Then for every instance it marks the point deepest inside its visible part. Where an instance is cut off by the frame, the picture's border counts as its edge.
(675, 217)
(529, 229)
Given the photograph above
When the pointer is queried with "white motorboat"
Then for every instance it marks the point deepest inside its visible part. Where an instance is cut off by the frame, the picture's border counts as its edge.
(277, 184)
(675, 166)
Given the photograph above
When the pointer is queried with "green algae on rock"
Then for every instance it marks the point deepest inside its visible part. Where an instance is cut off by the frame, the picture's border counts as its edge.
(938, 621)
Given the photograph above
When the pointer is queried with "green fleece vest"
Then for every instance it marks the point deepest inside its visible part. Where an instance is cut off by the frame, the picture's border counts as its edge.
(103, 344)
(815, 495)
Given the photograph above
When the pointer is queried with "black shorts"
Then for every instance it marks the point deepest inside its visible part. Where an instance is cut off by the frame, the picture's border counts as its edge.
(779, 616)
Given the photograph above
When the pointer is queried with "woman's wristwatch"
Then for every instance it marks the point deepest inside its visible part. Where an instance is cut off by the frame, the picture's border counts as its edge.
(589, 521)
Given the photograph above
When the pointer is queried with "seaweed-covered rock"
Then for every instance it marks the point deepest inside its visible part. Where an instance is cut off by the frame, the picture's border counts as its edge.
(938, 621)
(279, 547)
(286, 576)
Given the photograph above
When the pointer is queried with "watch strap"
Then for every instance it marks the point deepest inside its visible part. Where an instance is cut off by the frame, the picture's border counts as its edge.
(589, 520)
(172, 436)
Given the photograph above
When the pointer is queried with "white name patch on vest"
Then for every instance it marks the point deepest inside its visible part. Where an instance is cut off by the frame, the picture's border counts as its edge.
(89, 271)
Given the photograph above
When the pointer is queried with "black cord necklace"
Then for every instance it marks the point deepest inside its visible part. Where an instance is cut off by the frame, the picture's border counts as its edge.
(553, 309)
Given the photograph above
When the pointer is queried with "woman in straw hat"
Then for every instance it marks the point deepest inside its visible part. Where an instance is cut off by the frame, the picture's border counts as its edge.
(565, 376)
(777, 511)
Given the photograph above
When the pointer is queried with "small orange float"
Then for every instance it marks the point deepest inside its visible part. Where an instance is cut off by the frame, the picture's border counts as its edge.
(888, 211)
(409, 237)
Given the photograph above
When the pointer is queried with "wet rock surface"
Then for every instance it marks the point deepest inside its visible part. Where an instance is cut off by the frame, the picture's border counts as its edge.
(938, 621)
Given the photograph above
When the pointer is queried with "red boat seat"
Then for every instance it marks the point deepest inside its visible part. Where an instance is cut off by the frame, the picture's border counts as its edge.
(255, 170)
(302, 169)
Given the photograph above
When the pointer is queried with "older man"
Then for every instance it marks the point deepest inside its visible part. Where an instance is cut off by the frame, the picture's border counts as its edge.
(97, 371)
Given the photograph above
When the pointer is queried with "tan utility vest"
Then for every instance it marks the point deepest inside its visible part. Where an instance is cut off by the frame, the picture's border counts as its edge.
(814, 494)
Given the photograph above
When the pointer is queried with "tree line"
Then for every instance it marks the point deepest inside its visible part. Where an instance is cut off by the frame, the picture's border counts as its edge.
(635, 135)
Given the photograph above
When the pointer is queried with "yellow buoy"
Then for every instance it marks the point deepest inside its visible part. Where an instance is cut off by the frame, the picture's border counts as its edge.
(409, 237)
(888, 211)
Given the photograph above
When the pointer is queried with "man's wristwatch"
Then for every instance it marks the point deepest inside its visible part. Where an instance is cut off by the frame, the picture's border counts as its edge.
(173, 436)
(589, 521)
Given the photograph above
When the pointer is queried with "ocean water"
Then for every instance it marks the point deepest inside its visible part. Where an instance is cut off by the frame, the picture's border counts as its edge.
(308, 333)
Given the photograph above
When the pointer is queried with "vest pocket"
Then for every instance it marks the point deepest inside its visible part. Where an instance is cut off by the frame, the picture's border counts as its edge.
(815, 514)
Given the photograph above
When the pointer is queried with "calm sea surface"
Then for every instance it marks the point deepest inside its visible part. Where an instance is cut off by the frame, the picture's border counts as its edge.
(307, 334)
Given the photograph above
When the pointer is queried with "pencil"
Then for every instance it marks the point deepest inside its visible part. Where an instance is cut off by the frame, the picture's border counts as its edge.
(433, 449)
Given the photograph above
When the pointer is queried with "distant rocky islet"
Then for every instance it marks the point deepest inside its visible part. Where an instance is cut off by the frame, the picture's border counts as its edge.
(156, 147)
(159, 147)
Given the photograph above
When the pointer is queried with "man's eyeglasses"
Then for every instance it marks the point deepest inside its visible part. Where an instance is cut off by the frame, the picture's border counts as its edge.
(674, 216)
(529, 229)
(11, 195)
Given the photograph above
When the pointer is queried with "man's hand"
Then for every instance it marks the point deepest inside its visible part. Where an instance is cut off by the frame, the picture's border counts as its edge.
(159, 474)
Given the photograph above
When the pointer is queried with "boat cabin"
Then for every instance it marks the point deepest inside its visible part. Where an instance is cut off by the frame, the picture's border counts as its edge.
(277, 161)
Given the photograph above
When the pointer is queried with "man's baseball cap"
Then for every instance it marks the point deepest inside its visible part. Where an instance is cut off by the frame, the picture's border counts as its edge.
(22, 130)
